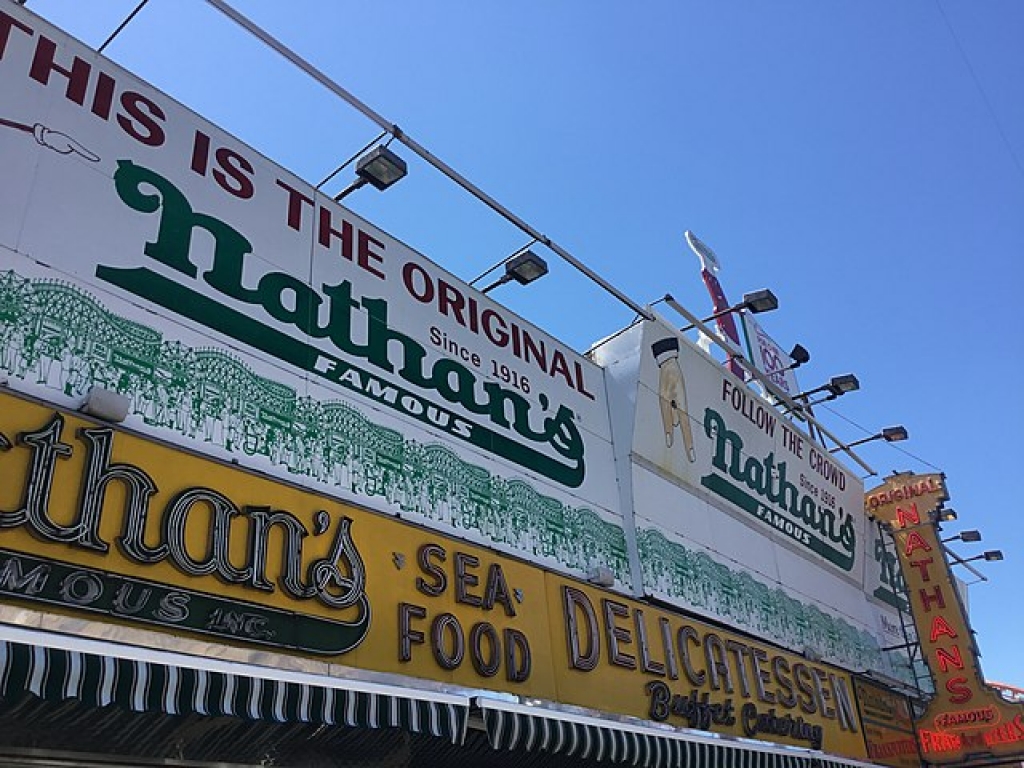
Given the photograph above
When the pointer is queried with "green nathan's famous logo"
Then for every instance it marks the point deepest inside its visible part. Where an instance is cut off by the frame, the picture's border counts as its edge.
(342, 320)
(759, 486)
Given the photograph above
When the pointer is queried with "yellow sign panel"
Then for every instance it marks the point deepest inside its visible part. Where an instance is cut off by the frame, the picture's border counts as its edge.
(888, 725)
(622, 655)
(966, 720)
(101, 522)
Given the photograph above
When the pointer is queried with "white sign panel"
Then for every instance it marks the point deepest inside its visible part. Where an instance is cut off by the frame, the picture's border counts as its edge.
(695, 556)
(703, 427)
(249, 315)
(768, 357)
(722, 501)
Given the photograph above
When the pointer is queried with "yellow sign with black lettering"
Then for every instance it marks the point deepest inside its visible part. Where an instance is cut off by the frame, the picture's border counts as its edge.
(99, 522)
(673, 669)
(888, 725)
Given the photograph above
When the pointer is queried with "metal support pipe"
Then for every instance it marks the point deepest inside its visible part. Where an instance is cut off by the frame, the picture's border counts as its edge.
(961, 561)
(266, 38)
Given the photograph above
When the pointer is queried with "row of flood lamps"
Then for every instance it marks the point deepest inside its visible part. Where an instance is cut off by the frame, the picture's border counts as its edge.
(764, 300)
(381, 168)
(971, 537)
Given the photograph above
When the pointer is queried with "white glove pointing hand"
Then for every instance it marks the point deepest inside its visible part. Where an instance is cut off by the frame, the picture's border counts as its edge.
(672, 394)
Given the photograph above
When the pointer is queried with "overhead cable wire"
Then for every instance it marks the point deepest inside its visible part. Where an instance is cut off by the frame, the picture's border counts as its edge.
(981, 90)
(894, 446)
(122, 25)
(403, 138)
(352, 159)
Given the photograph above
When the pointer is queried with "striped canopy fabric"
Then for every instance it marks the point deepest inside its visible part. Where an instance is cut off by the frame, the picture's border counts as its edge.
(509, 727)
(57, 674)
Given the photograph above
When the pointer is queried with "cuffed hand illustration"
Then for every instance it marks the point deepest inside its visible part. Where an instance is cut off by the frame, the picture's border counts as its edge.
(55, 140)
(61, 142)
(672, 394)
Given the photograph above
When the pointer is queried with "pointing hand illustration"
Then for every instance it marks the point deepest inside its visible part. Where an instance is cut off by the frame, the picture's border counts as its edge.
(61, 142)
(55, 140)
(672, 394)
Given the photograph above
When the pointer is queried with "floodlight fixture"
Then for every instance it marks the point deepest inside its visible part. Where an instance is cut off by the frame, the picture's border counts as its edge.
(754, 302)
(759, 301)
(895, 434)
(380, 168)
(947, 515)
(968, 537)
(840, 385)
(799, 355)
(426, 156)
(836, 386)
(889, 434)
(525, 267)
(990, 556)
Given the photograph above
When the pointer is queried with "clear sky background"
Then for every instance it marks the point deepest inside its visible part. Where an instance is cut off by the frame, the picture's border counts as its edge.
(863, 159)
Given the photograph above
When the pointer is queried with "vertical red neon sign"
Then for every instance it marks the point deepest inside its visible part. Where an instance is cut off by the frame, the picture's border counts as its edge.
(966, 720)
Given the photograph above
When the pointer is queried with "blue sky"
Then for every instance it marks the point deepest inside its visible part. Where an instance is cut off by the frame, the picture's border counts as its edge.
(865, 160)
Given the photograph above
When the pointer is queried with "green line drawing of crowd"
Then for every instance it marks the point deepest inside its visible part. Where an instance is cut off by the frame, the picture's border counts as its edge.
(709, 586)
(56, 335)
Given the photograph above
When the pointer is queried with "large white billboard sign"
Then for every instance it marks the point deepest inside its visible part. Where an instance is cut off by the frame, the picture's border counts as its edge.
(705, 428)
(739, 515)
(247, 314)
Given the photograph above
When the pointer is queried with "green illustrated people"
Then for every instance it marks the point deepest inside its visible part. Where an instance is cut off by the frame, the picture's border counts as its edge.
(29, 355)
(706, 586)
(672, 394)
(55, 336)
(77, 371)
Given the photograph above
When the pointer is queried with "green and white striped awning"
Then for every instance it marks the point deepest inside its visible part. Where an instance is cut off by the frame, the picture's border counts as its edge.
(513, 726)
(59, 668)
(176, 685)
